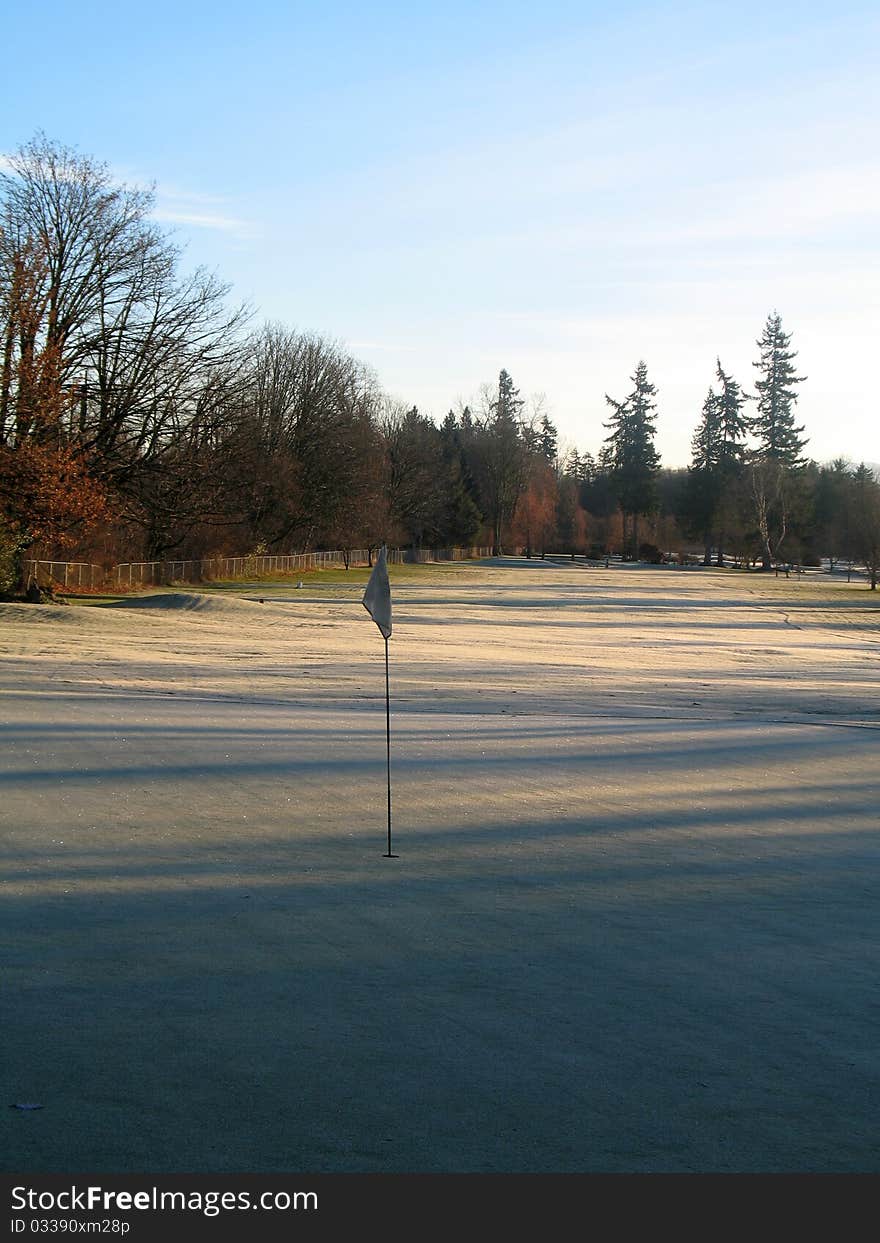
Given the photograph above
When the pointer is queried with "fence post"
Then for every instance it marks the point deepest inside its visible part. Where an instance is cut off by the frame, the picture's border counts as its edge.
(216, 567)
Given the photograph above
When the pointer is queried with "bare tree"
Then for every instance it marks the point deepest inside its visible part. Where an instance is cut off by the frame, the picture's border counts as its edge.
(136, 349)
(418, 473)
(306, 440)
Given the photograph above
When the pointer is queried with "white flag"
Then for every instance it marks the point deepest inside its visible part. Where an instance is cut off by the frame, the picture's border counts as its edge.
(377, 597)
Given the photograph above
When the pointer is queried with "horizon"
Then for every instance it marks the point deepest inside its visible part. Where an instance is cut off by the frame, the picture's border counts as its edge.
(557, 193)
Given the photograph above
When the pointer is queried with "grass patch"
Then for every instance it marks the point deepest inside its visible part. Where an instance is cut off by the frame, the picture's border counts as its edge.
(336, 576)
(333, 576)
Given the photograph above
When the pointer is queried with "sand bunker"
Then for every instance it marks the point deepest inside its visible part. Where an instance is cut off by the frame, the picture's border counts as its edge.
(189, 601)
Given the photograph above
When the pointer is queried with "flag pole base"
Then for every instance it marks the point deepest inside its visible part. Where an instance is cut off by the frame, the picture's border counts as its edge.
(391, 856)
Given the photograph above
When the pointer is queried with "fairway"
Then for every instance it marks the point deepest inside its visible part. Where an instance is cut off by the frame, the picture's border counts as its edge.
(633, 924)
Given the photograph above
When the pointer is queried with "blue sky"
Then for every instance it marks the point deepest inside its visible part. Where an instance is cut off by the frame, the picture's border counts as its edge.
(559, 190)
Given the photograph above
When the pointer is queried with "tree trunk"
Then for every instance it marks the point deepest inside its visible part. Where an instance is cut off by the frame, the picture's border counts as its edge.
(17, 566)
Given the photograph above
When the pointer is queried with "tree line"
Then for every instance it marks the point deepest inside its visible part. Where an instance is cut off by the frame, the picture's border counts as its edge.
(142, 415)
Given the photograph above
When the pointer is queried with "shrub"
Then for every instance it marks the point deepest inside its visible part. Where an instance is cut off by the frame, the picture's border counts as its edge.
(8, 560)
(651, 553)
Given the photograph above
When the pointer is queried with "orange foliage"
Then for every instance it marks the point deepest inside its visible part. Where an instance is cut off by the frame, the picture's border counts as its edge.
(47, 495)
(535, 521)
(46, 492)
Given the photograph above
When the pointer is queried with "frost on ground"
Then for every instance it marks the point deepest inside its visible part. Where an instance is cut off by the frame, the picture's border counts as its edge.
(633, 925)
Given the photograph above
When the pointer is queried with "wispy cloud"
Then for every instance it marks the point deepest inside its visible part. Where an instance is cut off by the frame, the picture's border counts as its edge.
(206, 220)
(392, 347)
(193, 209)
(176, 206)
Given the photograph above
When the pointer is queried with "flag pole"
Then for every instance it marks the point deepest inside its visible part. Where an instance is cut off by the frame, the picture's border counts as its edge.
(377, 602)
(389, 855)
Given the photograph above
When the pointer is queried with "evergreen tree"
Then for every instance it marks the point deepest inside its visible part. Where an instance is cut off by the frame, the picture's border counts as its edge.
(507, 405)
(417, 476)
(580, 467)
(832, 511)
(866, 520)
(706, 439)
(462, 519)
(547, 440)
(462, 516)
(732, 423)
(775, 464)
(773, 425)
(701, 493)
(631, 460)
(716, 463)
(500, 459)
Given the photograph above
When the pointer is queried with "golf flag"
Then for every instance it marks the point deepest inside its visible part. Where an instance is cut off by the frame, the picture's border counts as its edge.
(377, 602)
(377, 597)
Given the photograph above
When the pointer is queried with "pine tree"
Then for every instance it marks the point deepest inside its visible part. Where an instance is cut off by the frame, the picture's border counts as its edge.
(777, 462)
(866, 513)
(507, 405)
(463, 518)
(707, 437)
(732, 423)
(584, 468)
(701, 493)
(629, 454)
(548, 440)
(499, 458)
(716, 463)
(773, 425)
(832, 511)
(578, 466)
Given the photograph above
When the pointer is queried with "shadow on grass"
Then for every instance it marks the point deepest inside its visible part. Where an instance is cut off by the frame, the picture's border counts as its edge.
(661, 1010)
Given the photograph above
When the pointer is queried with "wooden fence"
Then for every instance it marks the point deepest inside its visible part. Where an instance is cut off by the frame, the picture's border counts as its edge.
(136, 574)
(65, 573)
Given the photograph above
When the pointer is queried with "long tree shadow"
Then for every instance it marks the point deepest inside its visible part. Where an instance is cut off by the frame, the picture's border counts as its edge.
(722, 743)
(561, 1011)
